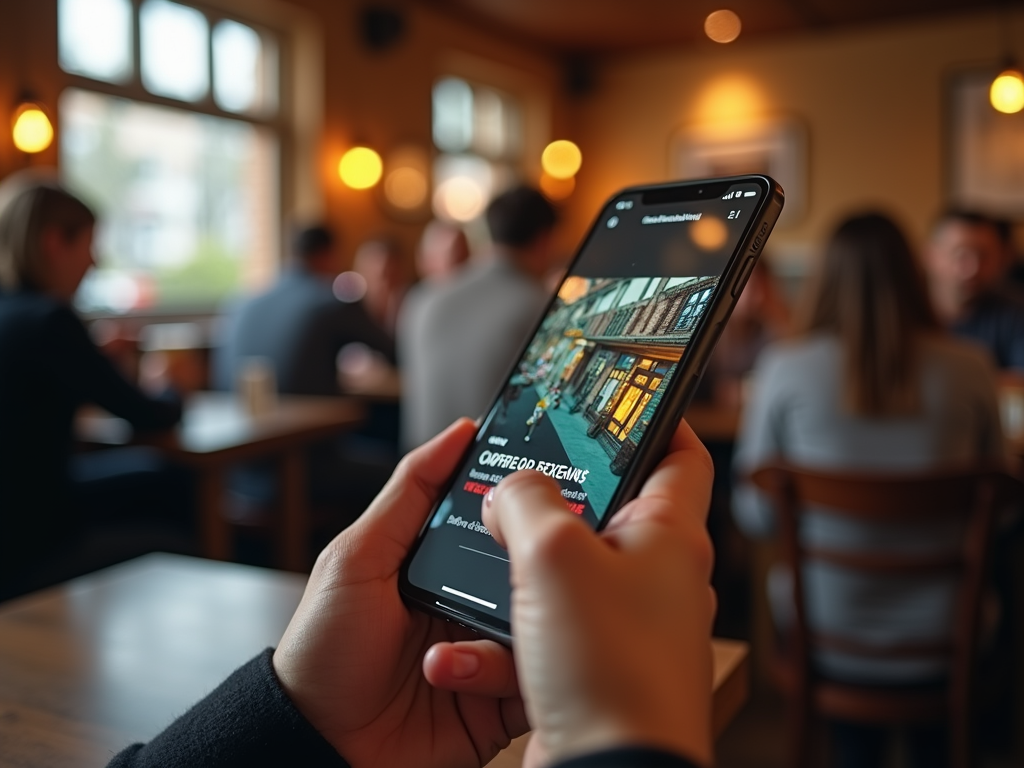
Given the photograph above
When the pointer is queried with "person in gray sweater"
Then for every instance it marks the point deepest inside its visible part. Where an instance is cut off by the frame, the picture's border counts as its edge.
(457, 339)
(872, 383)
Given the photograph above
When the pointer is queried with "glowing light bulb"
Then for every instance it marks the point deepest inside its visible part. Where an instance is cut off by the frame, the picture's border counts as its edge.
(31, 130)
(360, 168)
(1007, 92)
(709, 233)
(723, 26)
(561, 159)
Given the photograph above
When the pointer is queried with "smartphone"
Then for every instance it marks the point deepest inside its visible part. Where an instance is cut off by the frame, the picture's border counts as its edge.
(603, 381)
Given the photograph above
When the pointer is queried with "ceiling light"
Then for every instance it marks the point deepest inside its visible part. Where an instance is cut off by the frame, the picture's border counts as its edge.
(723, 26)
(360, 168)
(31, 128)
(561, 159)
(1007, 91)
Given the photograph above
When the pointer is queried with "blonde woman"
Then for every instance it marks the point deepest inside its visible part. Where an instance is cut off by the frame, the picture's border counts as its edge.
(48, 368)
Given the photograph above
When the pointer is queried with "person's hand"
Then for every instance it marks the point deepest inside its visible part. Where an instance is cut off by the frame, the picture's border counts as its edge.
(352, 656)
(613, 632)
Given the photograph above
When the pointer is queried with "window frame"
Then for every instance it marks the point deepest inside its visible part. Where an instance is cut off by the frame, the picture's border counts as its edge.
(290, 118)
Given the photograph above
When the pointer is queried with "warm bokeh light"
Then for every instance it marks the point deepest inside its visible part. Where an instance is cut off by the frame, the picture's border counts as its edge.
(31, 129)
(561, 159)
(556, 189)
(406, 188)
(709, 233)
(360, 168)
(1007, 92)
(460, 198)
(730, 106)
(723, 26)
(574, 288)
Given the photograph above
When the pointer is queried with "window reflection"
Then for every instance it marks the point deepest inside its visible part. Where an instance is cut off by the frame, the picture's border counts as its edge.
(186, 201)
(175, 50)
(237, 65)
(95, 38)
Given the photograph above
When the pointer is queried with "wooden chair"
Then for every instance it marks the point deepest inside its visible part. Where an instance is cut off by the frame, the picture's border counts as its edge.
(974, 496)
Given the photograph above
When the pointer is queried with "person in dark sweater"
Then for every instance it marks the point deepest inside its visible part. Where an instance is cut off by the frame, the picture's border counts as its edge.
(298, 326)
(967, 259)
(612, 659)
(49, 367)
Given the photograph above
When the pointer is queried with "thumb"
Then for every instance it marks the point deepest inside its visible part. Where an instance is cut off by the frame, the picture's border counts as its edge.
(527, 515)
(400, 508)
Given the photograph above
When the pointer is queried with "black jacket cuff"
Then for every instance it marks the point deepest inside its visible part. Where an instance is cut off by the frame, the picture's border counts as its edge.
(248, 721)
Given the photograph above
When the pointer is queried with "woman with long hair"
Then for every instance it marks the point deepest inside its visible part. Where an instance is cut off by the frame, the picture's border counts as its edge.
(48, 368)
(870, 382)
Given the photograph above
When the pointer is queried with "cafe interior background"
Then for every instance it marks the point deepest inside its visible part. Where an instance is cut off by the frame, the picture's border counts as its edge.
(376, 117)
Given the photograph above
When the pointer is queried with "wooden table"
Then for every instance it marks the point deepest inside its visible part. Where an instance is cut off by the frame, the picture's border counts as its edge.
(217, 432)
(90, 666)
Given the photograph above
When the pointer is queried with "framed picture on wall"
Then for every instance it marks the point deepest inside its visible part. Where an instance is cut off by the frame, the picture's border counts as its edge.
(985, 149)
(777, 148)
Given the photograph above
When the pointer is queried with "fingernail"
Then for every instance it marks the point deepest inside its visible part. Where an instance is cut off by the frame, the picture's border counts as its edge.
(489, 498)
(465, 665)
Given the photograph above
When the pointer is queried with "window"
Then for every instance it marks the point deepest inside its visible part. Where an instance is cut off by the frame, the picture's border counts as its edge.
(478, 131)
(180, 157)
(693, 309)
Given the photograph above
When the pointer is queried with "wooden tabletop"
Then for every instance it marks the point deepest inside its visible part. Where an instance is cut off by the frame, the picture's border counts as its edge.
(88, 667)
(216, 426)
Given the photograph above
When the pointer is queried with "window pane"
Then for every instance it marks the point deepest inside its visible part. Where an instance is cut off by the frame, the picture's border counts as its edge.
(453, 115)
(95, 38)
(175, 50)
(489, 123)
(238, 67)
(187, 202)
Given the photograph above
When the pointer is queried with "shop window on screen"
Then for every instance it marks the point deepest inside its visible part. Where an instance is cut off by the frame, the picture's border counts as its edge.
(187, 196)
(478, 132)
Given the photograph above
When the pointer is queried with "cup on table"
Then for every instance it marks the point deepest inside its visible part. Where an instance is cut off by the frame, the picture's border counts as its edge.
(257, 385)
(1011, 404)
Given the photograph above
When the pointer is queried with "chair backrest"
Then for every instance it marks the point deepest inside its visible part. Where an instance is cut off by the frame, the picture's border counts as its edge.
(972, 495)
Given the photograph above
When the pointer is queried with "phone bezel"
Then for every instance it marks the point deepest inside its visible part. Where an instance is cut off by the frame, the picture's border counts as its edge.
(681, 388)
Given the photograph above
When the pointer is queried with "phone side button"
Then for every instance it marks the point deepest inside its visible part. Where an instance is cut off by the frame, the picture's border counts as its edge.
(742, 279)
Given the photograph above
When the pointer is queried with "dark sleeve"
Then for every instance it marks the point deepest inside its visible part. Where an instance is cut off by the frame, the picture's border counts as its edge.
(96, 379)
(248, 722)
(629, 757)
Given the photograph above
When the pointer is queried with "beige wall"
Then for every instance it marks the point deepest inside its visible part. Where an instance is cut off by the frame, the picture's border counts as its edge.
(383, 99)
(870, 98)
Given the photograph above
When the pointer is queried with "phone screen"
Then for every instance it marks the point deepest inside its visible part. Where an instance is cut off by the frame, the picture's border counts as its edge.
(591, 380)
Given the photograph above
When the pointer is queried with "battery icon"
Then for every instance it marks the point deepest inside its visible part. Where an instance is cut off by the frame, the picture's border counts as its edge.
(750, 194)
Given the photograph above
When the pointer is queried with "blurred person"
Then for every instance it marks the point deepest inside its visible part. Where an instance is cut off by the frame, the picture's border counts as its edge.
(299, 325)
(967, 259)
(871, 383)
(54, 504)
(297, 328)
(459, 339)
(603, 680)
(379, 262)
(442, 251)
